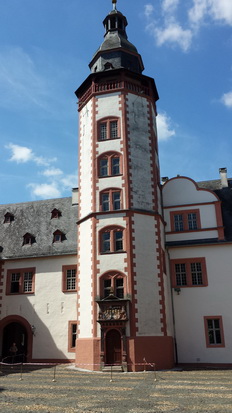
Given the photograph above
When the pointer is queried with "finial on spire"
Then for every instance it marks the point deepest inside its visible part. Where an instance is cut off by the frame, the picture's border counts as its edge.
(114, 4)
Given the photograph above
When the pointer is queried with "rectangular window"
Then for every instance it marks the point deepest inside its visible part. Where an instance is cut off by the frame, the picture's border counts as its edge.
(118, 239)
(72, 336)
(105, 202)
(103, 131)
(20, 281)
(181, 276)
(119, 288)
(189, 272)
(71, 279)
(69, 273)
(113, 129)
(116, 200)
(185, 220)
(107, 287)
(104, 167)
(178, 222)
(214, 331)
(106, 242)
(115, 166)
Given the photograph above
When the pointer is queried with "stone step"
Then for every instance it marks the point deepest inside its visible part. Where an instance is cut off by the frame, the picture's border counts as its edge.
(115, 369)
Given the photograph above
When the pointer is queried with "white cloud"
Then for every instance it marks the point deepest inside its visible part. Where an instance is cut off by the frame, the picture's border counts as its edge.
(165, 131)
(148, 10)
(221, 10)
(197, 13)
(52, 172)
(22, 154)
(174, 34)
(227, 99)
(170, 5)
(45, 190)
(69, 181)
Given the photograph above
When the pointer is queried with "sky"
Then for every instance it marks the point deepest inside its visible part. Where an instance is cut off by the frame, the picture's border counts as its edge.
(45, 49)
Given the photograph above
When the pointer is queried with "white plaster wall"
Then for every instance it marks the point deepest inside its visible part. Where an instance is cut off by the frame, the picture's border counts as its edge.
(108, 105)
(49, 309)
(140, 152)
(182, 191)
(85, 279)
(192, 304)
(180, 236)
(85, 146)
(145, 265)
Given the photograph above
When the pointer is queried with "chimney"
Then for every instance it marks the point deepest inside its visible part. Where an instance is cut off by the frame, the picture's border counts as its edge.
(223, 176)
(75, 196)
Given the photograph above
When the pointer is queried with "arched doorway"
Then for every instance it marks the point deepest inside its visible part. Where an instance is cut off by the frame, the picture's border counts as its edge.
(113, 347)
(14, 333)
(16, 329)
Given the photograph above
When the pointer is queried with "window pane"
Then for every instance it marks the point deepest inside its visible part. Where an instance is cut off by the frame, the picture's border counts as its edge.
(118, 238)
(27, 287)
(105, 202)
(71, 279)
(105, 242)
(214, 331)
(114, 129)
(119, 288)
(196, 272)
(107, 287)
(115, 166)
(103, 131)
(178, 222)
(181, 276)
(192, 221)
(74, 334)
(104, 167)
(15, 277)
(116, 201)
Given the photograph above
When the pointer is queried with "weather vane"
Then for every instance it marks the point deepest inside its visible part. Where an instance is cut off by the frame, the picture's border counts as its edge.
(114, 3)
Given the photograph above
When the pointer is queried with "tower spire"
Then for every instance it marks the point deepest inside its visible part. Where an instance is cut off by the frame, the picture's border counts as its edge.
(114, 4)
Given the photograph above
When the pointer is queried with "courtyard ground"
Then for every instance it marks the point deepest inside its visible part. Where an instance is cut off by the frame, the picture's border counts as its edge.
(63, 389)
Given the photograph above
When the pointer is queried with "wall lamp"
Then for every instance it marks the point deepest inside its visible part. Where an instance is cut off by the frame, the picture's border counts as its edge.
(33, 328)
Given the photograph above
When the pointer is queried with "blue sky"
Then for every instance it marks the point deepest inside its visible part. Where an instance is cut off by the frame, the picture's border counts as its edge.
(45, 48)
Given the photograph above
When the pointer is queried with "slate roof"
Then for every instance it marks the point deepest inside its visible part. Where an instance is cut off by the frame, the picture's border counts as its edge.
(35, 218)
(225, 195)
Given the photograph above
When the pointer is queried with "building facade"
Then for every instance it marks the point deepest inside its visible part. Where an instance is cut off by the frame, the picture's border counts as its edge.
(128, 271)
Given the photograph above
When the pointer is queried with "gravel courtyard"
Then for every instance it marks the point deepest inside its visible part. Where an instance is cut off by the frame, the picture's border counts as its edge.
(67, 390)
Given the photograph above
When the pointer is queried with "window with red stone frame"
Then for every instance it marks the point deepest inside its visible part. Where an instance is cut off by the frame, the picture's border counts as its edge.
(72, 335)
(20, 281)
(110, 200)
(108, 128)
(69, 281)
(187, 220)
(189, 272)
(109, 164)
(112, 240)
(114, 283)
(214, 333)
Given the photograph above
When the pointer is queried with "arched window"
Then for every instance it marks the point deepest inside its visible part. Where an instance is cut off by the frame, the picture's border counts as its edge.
(109, 164)
(108, 128)
(112, 240)
(110, 199)
(112, 283)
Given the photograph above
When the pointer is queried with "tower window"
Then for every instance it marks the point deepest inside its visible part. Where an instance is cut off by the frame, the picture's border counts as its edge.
(109, 165)
(112, 240)
(110, 200)
(108, 128)
(112, 283)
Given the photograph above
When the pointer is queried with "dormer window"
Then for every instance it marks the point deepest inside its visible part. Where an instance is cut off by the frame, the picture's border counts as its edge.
(8, 218)
(58, 236)
(55, 213)
(28, 239)
(108, 66)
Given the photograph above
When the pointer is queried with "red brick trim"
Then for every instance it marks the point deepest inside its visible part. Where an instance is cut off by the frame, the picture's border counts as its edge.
(1, 283)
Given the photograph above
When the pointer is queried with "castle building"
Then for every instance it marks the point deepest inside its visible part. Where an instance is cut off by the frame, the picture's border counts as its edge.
(128, 270)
